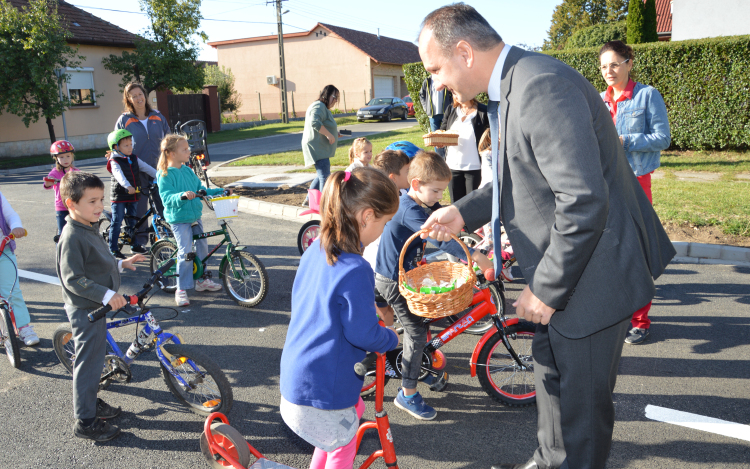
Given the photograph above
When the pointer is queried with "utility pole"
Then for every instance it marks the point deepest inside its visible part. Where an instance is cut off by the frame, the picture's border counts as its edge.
(284, 103)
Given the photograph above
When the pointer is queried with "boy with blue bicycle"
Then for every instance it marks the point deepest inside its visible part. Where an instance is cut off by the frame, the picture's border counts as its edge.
(90, 277)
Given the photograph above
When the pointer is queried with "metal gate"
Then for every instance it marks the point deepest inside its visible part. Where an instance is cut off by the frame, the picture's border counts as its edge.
(185, 107)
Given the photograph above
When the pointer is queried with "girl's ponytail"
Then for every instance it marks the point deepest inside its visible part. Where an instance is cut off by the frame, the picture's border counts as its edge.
(344, 196)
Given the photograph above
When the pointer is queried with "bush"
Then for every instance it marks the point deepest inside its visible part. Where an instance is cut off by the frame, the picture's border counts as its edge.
(229, 98)
(597, 35)
(704, 83)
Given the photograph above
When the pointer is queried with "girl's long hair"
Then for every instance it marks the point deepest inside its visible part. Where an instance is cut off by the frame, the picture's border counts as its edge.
(357, 147)
(168, 145)
(342, 200)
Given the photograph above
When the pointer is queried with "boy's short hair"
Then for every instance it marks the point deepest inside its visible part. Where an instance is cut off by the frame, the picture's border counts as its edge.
(390, 161)
(428, 166)
(75, 183)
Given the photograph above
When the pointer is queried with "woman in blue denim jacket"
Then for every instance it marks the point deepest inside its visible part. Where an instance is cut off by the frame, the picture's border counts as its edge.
(640, 117)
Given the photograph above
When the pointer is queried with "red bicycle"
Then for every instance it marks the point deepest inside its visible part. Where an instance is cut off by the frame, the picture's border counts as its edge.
(8, 329)
(310, 230)
(501, 361)
(223, 446)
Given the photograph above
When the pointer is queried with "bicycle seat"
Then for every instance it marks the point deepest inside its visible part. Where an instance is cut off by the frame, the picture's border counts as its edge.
(266, 464)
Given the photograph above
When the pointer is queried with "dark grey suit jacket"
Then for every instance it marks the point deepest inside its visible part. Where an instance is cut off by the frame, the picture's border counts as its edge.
(585, 235)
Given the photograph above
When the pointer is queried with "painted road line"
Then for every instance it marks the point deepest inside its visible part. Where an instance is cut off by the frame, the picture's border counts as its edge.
(698, 422)
(39, 277)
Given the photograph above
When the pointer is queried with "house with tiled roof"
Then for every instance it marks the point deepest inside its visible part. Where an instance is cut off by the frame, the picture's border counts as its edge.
(664, 19)
(361, 65)
(88, 122)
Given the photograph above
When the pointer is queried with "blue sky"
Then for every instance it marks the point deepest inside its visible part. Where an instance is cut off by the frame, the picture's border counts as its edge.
(516, 21)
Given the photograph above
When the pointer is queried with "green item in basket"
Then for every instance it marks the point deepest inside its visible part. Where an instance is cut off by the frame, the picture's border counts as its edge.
(409, 287)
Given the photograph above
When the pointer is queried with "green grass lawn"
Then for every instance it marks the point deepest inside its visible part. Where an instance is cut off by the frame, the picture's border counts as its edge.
(724, 203)
(22, 162)
(268, 129)
(341, 158)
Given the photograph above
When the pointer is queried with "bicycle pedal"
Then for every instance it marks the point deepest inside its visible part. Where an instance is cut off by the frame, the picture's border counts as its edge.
(436, 384)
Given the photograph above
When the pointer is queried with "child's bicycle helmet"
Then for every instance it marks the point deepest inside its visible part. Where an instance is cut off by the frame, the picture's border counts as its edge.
(61, 146)
(114, 137)
(407, 147)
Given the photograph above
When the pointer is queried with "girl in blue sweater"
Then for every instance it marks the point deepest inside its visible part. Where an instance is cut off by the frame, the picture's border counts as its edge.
(175, 179)
(333, 320)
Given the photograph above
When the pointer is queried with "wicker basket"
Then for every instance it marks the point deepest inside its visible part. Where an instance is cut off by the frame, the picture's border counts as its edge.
(446, 139)
(437, 305)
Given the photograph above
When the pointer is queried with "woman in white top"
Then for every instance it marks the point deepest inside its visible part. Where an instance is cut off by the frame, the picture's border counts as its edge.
(468, 120)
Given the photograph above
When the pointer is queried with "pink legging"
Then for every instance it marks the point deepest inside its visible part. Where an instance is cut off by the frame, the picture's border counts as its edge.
(342, 457)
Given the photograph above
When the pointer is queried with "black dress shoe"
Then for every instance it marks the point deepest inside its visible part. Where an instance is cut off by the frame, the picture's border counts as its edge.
(530, 464)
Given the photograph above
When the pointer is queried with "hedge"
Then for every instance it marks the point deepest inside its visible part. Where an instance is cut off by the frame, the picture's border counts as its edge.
(705, 84)
(597, 35)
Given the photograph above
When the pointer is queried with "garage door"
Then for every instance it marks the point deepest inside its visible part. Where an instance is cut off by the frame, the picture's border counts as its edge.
(383, 87)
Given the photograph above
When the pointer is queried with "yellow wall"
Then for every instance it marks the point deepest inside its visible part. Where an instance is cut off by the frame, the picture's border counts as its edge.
(311, 63)
(87, 127)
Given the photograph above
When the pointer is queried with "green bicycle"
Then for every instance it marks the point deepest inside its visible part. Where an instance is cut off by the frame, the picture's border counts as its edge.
(244, 276)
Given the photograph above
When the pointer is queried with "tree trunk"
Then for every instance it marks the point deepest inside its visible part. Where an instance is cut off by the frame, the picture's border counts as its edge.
(51, 129)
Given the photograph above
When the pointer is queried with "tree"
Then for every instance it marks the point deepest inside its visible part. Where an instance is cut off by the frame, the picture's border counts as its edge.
(650, 34)
(165, 57)
(598, 35)
(572, 15)
(636, 22)
(229, 98)
(32, 45)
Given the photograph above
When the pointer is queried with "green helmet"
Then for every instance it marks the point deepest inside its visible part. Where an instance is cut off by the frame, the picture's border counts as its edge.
(115, 137)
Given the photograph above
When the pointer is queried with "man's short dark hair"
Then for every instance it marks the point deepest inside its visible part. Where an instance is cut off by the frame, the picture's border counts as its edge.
(460, 22)
(75, 183)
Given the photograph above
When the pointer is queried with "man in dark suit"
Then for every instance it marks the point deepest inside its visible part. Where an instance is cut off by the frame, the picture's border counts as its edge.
(586, 237)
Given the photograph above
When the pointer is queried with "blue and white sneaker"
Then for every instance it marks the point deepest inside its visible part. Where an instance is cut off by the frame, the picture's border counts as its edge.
(415, 406)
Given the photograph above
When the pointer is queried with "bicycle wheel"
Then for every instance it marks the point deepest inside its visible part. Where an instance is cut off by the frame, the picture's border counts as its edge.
(252, 286)
(161, 252)
(208, 389)
(499, 374)
(64, 346)
(469, 239)
(8, 338)
(195, 163)
(369, 386)
(228, 439)
(307, 234)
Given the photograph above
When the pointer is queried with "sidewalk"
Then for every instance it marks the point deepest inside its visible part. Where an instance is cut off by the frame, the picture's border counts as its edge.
(691, 253)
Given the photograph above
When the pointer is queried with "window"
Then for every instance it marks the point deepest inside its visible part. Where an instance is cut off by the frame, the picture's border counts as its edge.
(81, 86)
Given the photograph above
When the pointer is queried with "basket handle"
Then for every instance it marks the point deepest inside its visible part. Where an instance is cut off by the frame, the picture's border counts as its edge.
(401, 270)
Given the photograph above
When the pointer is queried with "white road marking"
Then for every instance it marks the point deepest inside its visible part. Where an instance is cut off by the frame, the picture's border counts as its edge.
(698, 422)
(39, 277)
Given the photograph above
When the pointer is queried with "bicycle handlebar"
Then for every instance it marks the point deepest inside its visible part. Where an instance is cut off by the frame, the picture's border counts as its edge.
(202, 194)
(362, 367)
(10, 237)
(134, 299)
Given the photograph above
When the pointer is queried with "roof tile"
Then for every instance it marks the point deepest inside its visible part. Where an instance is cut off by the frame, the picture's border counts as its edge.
(663, 16)
(87, 28)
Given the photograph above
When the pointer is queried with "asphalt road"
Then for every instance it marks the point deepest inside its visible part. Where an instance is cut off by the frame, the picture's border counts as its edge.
(222, 152)
(697, 360)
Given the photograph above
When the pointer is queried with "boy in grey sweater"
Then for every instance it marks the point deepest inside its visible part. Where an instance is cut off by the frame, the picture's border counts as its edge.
(90, 277)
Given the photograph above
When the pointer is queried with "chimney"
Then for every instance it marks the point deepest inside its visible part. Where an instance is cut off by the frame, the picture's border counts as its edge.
(378, 33)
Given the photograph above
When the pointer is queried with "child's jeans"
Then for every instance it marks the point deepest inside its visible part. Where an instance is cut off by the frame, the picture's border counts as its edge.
(90, 339)
(60, 215)
(342, 457)
(119, 211)
(183, 234)
(9, 275)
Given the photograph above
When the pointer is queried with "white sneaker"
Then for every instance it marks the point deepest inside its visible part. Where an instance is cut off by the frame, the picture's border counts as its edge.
(27, 334)
(181, 298)
(207, 285)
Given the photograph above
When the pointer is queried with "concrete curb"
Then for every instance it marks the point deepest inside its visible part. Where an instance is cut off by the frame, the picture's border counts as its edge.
(48, 167)
(277, 211)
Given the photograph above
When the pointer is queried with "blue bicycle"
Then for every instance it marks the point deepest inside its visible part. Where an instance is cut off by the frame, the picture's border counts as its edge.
(132, 227)
(194, 379)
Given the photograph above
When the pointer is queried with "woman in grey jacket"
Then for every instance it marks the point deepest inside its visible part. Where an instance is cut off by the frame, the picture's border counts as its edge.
(320, 136)
(148, 127)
